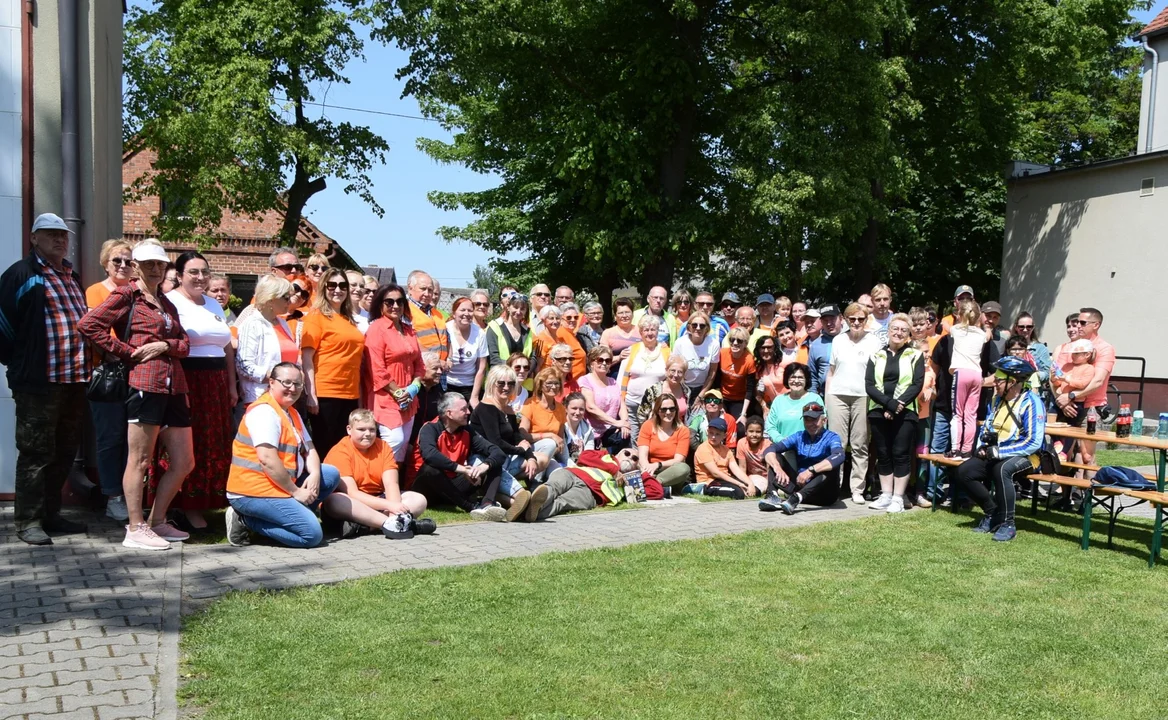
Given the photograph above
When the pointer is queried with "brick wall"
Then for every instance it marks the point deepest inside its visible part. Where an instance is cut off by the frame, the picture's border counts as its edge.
(246, 243)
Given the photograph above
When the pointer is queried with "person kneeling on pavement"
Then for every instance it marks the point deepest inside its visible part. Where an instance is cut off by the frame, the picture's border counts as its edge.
(819, 453)
(593, 482)
(453, 462)
(277, 479)
(1008, 445)
(369, 494)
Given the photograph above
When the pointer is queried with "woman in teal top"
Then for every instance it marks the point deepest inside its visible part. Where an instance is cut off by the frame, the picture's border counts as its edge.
(786, 415)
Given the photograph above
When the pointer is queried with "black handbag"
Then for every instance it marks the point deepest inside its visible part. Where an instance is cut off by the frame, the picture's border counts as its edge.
(110, 381)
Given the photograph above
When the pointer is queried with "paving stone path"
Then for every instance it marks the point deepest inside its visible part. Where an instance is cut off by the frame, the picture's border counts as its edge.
(89, 629)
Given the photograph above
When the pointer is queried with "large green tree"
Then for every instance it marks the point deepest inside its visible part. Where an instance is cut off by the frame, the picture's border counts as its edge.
(815, 146)
(220, 90)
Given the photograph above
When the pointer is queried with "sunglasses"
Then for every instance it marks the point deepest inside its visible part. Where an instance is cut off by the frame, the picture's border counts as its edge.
(541, 294)
(482, 304)
(318, 268)
(361, 292)
(699, 303)
(714, 401)
(287, 296)
(684, 302)
(290, 267)
(736, 341)
(697, 326)
(602, 359)
(504, 384)
(855, 320)
(121, 262)
(668, 408)
(517, 368)
(390, 301)
(562, 359)
(1024, 327)
(813, 406)
(1080, 322)
(337, 285)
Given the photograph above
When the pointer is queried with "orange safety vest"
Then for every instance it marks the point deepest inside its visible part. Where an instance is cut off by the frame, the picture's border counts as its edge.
(247, 476)
(430, 330)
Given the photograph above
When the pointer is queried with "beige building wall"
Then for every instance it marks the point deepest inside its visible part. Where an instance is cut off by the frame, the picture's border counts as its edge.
(1086, 237)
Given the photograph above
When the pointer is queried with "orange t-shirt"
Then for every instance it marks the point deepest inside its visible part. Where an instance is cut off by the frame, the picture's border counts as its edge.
(707, 453)
(734, 374)
(339, 346)
(543, 420)
(96, 294)
(659, 450)
(366, 467)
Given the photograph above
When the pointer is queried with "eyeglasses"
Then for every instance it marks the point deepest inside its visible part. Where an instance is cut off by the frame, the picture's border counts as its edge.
(552, 385)
(337, 285)
(290, 384)
(857, 320)
(198, 273)
(698, 326)
(899, 330)
(391, 301)
(289, 267)
(121, 262)
(318, 268)
(504, 384)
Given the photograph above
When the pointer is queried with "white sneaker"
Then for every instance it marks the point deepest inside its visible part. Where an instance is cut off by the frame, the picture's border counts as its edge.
(895, 505)
(881, 503)
(115, 508)
(491, 513)
(143, 538)
(858, 498)
(237, 533)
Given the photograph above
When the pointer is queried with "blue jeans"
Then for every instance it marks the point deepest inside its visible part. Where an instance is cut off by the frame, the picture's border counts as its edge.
(508, 483)
(109, 434)
(939, 445)
(285, 520)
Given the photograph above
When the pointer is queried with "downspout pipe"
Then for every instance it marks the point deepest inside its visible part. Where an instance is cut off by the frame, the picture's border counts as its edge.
(70, 121)
(1151, 92)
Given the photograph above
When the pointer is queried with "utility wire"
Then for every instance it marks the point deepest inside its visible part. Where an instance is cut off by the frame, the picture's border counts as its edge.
(361, 110)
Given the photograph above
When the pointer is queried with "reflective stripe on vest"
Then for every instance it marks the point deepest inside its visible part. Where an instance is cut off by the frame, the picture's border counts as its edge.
(247, 475)
(908, 361)
(503, 341)
(430, 331)
(607, 486)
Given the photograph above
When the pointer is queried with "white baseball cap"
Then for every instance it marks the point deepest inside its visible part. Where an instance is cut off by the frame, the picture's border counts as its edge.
(145, 252)
(49, 221)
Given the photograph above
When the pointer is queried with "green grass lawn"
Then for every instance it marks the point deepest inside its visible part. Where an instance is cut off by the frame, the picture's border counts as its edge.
(1125, 458)
(905, 617)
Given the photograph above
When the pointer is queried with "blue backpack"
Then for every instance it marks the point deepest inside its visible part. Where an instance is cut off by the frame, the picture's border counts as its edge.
(1123, 477)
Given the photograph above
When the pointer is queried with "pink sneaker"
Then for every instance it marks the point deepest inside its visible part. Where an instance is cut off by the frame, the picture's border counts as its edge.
(143, 538)
(170, 533)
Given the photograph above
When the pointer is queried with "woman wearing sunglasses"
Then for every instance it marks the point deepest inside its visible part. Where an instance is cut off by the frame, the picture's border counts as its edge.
(393, 369)
(699, 348)
(737, 376)
(314, 270)
(520, 364)
(663, 444)
(682, 305)
(508, 334)
(602, 399)
(495, 419)
(1039, 354)
(109, 418)
(332, 348)
(847, 398)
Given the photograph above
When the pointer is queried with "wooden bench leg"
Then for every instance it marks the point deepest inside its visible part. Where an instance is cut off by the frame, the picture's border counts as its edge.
(1088, 503)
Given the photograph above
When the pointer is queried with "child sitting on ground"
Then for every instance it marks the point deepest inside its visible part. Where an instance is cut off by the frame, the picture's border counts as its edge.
(750, 450)
(369, 493)
(715, 465)
(1070, 377)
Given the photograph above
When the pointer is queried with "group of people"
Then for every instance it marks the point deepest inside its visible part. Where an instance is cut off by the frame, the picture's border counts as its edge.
(365, 404)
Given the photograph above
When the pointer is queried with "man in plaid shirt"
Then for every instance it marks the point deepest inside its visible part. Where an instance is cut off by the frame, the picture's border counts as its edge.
(41, 302)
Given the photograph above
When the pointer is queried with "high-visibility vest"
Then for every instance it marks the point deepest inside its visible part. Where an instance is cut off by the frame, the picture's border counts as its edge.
(503, 340)
(247, 476)
(430, 329)
(908, 360)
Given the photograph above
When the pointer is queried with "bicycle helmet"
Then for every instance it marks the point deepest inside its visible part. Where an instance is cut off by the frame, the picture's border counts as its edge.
(1014, 367)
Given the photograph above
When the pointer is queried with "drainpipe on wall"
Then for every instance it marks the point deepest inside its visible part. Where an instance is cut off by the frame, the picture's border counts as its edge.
(70, 137)
(1151, 92)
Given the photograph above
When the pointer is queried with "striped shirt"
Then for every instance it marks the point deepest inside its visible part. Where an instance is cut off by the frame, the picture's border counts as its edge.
(68, 361)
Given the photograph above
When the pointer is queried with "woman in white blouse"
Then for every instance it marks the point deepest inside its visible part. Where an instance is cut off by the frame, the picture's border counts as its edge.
(265, 338)
(210, 372)
(846, 395)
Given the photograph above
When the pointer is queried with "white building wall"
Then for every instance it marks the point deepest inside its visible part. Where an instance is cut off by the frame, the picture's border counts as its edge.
(10, 202)
(1160, 119)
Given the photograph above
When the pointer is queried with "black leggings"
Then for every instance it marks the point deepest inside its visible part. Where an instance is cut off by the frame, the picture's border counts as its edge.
(975, 473)
(894, 440)
(822, 489)
(328, 425)
(457, 491)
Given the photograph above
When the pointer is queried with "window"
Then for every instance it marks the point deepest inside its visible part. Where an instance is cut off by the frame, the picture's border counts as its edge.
(1148, 187)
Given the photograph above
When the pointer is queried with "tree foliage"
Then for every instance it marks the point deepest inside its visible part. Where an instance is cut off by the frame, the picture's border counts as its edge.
(219, 89)
(810, 146)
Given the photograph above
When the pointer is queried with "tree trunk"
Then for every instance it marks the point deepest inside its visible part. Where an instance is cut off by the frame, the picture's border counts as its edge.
(300, 191)
(604, 287)
(869, 245)
(795, 269)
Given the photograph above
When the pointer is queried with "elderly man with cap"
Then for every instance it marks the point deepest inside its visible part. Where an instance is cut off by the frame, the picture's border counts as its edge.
(819, 348)
(765, 305)
(41, 302)
(815, 479)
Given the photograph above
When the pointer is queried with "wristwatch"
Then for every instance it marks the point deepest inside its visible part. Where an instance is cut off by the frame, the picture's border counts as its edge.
(1071, 396)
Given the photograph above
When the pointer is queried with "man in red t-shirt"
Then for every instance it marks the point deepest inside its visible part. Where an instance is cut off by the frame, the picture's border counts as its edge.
(369, 493)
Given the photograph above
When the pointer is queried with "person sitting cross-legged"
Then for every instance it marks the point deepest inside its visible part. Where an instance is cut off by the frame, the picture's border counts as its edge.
(716, 466)
(369, 494)
(276, 478)
(819, 453)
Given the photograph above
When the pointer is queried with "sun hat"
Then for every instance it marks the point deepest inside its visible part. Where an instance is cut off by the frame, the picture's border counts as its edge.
(146, 252)
(1081, 346)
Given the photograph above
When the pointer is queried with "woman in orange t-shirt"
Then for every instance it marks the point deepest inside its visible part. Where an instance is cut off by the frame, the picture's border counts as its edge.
(555, 333)
(544, 417)
(663, 443)
(332, 348)
(737, 376)
(109, 418)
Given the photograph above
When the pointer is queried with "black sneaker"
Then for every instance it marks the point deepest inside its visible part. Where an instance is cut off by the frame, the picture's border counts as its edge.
(350, 529)
(58, 524)
(770, 503)
(423, 526)
(790, 504)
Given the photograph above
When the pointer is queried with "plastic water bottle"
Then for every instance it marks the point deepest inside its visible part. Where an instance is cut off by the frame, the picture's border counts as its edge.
(1138, 423)
(1162, 431)
(1093, 421)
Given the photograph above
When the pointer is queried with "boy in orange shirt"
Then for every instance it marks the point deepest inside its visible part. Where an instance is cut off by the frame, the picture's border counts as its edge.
(369, 493)
(716, 466)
